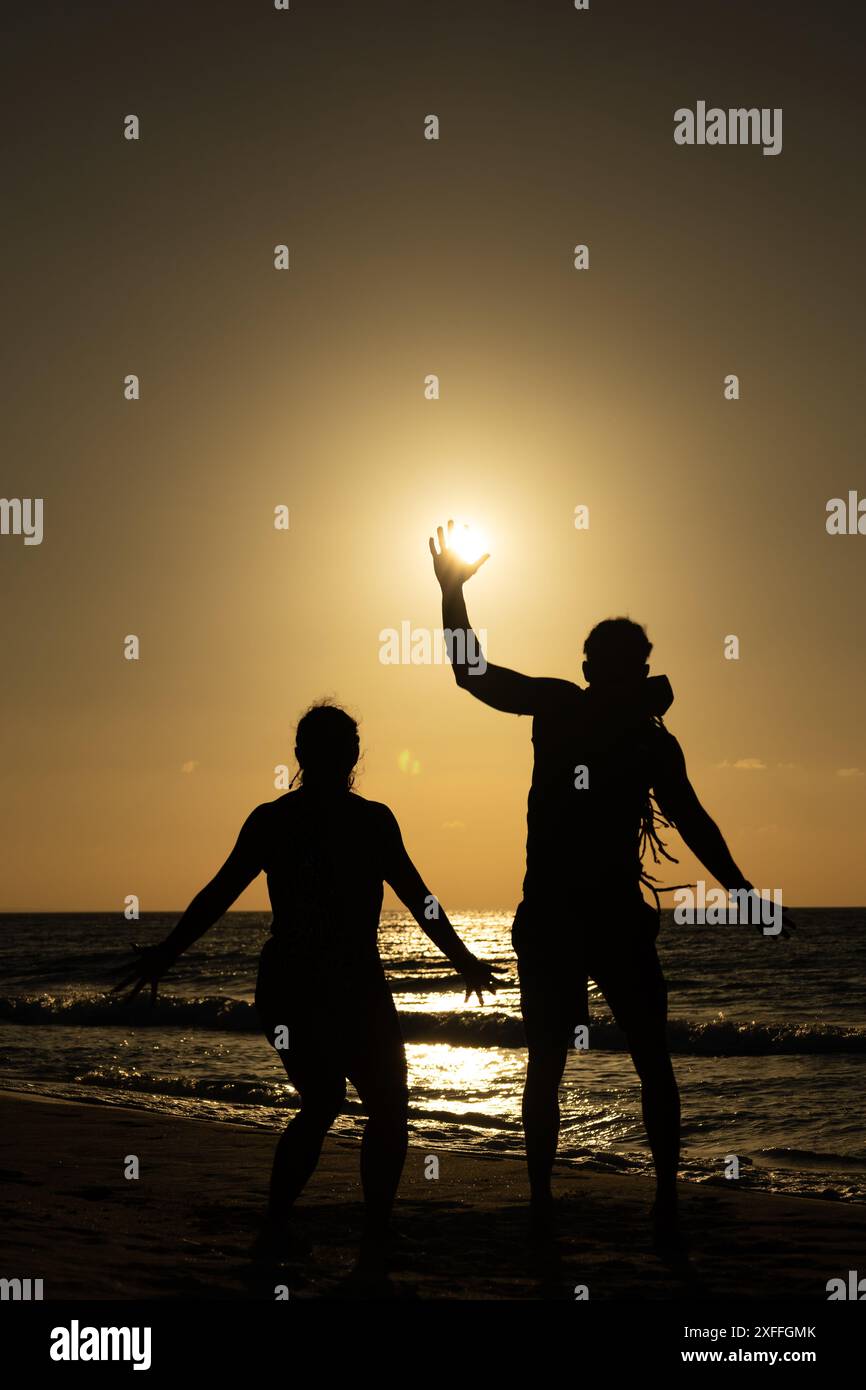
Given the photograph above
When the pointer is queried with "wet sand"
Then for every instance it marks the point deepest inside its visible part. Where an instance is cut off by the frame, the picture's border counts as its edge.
(186, 1227)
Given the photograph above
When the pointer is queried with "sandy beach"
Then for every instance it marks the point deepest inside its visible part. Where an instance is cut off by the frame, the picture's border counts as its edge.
(186, 1227)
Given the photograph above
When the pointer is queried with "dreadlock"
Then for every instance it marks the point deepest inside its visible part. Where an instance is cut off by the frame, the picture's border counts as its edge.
(651, 818)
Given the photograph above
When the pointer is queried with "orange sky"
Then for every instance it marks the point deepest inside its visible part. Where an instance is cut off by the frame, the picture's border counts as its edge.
(558, 388)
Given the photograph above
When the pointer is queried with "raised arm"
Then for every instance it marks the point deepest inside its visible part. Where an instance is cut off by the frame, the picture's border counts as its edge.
(496, 686)
(206, 908)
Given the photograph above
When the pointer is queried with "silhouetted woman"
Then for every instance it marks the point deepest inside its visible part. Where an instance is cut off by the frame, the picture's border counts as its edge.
(321, 994)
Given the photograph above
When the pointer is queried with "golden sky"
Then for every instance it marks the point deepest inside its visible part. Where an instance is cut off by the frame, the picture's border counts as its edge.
(305, 388)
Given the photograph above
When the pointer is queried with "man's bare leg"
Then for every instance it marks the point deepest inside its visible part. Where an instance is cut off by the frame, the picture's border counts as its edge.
(541, 1126)
(660, 1102)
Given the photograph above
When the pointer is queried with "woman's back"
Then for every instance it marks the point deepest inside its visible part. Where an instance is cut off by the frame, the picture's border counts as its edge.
(326, 857)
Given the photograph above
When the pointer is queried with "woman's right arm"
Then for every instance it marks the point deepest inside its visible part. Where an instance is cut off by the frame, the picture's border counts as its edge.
(206, 908)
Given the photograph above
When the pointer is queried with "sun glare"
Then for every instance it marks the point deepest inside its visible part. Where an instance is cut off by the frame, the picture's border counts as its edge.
(469, 542)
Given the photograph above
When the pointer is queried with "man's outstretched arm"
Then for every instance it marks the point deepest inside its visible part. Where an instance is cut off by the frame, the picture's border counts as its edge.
(679, 804)
(496, 686)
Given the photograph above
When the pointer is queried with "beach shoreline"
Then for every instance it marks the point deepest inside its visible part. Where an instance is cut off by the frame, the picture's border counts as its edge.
(186, 1226)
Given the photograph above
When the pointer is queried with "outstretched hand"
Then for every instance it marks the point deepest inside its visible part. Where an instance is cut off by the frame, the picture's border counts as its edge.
(788, 925)
(151, 964)
(477, 975)
(451, 569)
(787, 928)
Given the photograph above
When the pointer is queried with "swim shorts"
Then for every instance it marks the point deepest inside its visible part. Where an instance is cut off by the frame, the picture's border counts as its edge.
(557, 956)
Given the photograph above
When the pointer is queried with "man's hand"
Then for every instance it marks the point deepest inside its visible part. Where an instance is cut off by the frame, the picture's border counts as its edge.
(451, 569)
(788, 926)
(151, 964)
(477, 976)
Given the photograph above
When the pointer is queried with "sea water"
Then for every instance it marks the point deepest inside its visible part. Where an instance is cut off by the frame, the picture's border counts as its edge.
(768, 1038)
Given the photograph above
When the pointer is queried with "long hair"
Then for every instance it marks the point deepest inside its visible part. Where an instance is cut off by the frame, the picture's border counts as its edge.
(650, 839)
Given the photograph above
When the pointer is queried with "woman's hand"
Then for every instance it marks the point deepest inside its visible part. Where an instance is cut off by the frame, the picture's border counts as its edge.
(477, 976)
(151, 964)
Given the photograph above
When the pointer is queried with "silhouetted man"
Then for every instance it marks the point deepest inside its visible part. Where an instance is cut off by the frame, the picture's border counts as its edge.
(599, 754)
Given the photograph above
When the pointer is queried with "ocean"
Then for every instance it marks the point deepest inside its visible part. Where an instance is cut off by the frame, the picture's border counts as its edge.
(767, 1035)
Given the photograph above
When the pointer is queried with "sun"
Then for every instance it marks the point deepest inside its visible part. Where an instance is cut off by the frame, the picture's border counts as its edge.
(468, 541)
